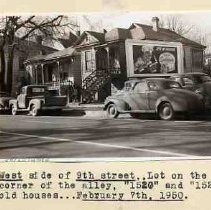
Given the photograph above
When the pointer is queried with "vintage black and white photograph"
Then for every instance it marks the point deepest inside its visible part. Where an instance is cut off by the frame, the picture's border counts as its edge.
(105, 85)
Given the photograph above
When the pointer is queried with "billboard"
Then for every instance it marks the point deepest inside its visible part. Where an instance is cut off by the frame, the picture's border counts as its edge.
(154, 59)
(146, 58)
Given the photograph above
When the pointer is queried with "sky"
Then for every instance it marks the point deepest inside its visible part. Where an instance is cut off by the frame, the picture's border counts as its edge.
(114, 19)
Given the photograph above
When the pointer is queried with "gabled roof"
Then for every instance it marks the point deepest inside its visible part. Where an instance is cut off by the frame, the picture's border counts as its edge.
(118, 34)
(100, 37)
(163, 34)
(68, 40)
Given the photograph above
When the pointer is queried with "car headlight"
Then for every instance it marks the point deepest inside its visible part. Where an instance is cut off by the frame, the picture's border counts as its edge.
(199, 94)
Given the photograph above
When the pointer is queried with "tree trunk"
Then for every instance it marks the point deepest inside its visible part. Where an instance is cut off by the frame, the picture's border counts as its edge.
(10, 70)
(2, 73)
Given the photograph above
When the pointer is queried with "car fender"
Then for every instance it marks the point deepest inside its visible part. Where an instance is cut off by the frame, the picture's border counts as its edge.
(178, 106)
(13, 102)
(1, 102)
(121, 105)
(36, 102)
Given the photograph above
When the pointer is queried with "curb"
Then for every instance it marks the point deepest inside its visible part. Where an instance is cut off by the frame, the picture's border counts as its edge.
(86, 107)
(96, 113)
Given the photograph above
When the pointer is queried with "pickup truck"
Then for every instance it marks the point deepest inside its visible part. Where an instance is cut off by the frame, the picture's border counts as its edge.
(34, 99)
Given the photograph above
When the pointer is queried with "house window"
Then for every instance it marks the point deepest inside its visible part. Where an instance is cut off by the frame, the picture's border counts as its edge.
(88, 61)
(114, 58)
(63, 76)
(197, 58)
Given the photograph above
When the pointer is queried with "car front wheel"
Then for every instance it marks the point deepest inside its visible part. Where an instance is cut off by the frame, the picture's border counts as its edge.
(112, 111)
(33, 111)
(166, 111)
(13, 110)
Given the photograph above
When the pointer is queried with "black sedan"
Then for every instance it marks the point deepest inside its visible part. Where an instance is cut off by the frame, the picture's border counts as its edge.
(4, 101)
(197, 82)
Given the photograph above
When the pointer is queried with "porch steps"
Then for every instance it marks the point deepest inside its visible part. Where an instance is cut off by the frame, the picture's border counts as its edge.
(92, 84)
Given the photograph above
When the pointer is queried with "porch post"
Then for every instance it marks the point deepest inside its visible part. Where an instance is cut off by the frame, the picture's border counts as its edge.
(108, 60)
(109, 69)
(42, 71)
(59, 79)
(36, 74)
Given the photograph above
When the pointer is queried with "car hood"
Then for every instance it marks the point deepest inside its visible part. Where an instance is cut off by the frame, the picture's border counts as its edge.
(5, 98)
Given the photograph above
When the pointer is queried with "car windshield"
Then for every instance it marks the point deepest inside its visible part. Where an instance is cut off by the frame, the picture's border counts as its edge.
(158, 85)
(201, 79)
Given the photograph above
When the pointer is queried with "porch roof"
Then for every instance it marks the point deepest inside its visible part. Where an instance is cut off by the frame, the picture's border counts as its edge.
(68, 52)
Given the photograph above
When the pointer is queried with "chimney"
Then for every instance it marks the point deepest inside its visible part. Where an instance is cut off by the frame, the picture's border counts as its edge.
(104, 31)
(155, 23)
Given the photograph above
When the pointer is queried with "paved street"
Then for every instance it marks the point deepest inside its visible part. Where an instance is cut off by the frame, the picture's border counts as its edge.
(72, 136)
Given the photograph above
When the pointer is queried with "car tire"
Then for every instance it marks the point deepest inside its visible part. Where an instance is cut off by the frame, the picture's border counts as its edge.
(166, 111)
(33, 111)
(13, 110)
(112, 111)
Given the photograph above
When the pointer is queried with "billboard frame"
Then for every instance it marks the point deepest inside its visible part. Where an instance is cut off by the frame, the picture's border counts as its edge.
(129, 43)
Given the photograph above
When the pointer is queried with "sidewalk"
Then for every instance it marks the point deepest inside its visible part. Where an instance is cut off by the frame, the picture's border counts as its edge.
(88, 110)
(90, 107)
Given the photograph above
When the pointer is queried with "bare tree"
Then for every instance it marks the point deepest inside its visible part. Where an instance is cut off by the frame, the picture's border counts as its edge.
(176, 24)
(97, 24)
(199, 36)
(13, 28)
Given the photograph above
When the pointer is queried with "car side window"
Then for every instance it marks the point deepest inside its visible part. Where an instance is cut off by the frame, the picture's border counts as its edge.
(23, 90)
(187, 81)
(141, 87)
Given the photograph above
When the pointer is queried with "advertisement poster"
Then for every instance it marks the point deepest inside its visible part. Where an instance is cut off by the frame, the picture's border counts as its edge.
(154, 59)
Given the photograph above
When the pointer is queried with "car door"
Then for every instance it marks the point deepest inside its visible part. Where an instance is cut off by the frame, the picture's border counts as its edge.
(139, 97)
(153, 95)
(22, 98)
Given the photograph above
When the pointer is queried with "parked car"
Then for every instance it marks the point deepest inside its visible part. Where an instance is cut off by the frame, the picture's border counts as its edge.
(35, 98)
(4, 101)
(200, 83)
(153, 95)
